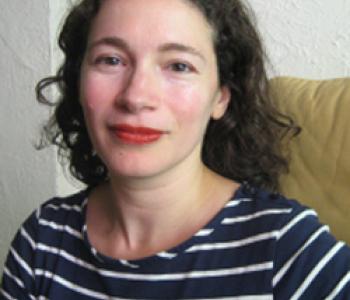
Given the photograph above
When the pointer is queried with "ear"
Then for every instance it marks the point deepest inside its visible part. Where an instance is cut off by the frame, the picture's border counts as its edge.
(221, 103)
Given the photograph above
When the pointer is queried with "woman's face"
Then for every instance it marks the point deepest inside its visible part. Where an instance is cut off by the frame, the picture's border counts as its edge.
(149, 86)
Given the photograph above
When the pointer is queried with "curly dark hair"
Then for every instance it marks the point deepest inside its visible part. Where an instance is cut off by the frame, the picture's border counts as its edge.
(244, 145)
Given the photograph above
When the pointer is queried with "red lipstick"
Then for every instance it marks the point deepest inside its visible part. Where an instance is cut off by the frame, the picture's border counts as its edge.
(137, 135)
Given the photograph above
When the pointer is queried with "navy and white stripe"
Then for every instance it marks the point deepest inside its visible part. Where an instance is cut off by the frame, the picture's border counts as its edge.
(257, 247)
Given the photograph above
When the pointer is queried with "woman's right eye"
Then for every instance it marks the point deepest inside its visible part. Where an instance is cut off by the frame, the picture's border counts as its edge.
(108, 60)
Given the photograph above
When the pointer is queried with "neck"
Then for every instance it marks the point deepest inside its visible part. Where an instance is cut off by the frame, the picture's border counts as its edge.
(153, 203)
(149, 215)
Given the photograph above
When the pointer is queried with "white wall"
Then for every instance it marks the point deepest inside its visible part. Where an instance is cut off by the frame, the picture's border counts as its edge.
(27, 177)
(307, 38)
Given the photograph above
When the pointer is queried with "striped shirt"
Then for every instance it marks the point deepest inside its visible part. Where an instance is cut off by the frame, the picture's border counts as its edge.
(259, 246)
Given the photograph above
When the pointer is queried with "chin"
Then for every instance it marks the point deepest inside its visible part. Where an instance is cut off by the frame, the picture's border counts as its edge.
(133, 170)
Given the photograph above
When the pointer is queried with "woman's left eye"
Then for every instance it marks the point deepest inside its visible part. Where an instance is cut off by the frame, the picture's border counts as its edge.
(181, 67)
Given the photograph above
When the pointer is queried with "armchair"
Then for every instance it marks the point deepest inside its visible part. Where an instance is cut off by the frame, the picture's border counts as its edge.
(319, 174)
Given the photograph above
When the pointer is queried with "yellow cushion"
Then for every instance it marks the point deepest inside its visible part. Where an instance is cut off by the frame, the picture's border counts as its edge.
(320, 156)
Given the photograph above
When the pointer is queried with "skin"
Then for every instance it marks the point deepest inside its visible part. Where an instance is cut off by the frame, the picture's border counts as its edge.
(151, 63)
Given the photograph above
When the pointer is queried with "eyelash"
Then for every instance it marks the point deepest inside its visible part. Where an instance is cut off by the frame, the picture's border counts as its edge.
(178, 67)
(109, 61)
(114, 61)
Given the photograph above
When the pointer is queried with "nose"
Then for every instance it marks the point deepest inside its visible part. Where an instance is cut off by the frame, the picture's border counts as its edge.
(140, 91)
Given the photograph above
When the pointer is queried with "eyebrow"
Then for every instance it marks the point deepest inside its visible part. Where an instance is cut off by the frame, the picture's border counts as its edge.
(110, 41)
(167, 47)
(181, 48)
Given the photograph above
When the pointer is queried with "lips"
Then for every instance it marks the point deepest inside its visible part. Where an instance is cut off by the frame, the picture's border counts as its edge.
(137, 135)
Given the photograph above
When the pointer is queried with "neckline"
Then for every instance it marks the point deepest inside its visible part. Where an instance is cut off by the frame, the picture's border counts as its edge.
(201, 236)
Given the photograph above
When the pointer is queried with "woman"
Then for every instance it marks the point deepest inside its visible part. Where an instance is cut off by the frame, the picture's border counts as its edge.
(165, 115)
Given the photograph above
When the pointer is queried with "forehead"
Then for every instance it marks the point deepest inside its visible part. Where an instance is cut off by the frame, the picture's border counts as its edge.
(154, 19)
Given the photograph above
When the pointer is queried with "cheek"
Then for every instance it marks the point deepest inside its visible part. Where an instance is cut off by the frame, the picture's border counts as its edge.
(190, 104)
(91, 94)
(92, 99)
(97, 90)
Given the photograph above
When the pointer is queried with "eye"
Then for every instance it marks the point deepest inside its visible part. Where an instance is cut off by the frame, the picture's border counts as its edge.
(109, 60)
(181, 67)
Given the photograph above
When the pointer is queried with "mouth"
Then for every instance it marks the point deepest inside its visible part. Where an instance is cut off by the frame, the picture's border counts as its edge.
(137, 135)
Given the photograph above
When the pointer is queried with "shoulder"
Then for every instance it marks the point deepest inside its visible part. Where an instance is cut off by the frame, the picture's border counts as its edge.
(55, 225)
(62, 215)
(56, 217)
(292, 226)
(62, 206)
(70, 202)
(273, 210)
(56, 220)
(307, 260)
